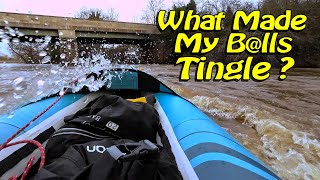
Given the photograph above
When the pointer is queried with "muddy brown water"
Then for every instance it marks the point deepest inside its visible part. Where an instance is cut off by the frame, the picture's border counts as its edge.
(279, 121)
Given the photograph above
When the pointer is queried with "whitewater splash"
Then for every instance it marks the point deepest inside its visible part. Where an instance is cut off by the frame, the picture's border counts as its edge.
(286, 150)
(38, 81)
(30, 83)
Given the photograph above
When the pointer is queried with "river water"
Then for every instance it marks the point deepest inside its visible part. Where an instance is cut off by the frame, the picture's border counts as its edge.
(279, 121)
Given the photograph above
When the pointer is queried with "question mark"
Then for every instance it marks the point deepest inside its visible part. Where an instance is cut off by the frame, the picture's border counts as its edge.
(289, 63)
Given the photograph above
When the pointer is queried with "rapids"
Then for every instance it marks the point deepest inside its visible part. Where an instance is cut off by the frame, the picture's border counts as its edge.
(279, 121)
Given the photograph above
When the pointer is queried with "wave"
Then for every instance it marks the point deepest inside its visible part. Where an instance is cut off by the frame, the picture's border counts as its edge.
(292, 154)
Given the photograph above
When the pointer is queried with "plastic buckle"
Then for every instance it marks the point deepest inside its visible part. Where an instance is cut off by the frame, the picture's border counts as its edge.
(133, 151)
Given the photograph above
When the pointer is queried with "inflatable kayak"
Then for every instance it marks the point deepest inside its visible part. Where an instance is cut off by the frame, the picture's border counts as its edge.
(202, 149)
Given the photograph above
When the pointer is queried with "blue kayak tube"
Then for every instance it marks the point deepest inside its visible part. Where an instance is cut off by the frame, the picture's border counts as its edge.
(212, 152)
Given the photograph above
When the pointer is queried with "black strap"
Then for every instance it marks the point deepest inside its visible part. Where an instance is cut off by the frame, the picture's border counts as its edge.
(133, 151)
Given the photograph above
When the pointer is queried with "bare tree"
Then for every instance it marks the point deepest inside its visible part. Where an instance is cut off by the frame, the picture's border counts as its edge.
(179, 3)
(220, 5)
(136, 19)
(216, 6)
(97, 14)
(151, 11)
(112, 14)
(26, 51)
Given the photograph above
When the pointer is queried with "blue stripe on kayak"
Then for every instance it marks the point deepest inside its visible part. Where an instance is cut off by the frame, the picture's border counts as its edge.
(205, 137)
(24, 114)
(203, 148)
(194, 126)
(217, 170)
(6, 130)
(230, 159)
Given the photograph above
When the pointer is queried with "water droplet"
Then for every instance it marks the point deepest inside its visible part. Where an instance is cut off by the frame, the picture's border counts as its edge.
(20, 34)
(108, 84)
(18, 88)
(17, 96)
(53, 71)
(61, 92)
(40, 83)
(63, 56)
(47, 38)
(12, 32)
(46, 24)
(37, 31)
(2, 104)
(18, 80)
(46, 59)
(60, 33)
(5, 40)
(15, 40)
(30, 38)
(6, 22)
(37, 18)
(39, 40)
(43, 53)
(39, 93)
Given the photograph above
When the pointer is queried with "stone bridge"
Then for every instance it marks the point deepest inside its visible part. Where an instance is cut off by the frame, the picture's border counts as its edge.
(71, 32)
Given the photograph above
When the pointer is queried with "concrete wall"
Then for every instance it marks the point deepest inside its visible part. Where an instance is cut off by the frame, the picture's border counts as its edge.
(28, 21)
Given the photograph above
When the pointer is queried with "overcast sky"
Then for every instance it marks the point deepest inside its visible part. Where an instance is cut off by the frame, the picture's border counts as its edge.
(127, 9)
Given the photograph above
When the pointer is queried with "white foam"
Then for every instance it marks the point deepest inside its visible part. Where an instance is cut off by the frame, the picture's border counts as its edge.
(279, 143)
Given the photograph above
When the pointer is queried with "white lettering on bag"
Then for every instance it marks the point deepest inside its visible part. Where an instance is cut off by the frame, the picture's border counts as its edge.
(96, 148)
(96, 117)
(112, 125)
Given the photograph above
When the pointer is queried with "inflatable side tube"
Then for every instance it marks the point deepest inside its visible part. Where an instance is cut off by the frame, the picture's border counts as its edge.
(9, 124)
(212, 152)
